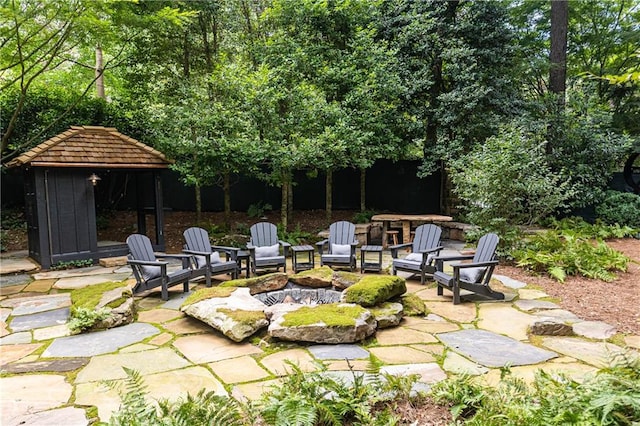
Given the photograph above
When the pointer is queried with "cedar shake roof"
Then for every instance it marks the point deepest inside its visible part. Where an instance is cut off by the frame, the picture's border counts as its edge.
(92, 146)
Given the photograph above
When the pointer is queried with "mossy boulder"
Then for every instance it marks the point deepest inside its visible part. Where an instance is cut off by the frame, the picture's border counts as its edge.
(260, 284)
(344, 279)
(374, 290)
(412, 305)
(331, 323)
(314, 278)
(102, 306)
(389, 314)
(230, 310)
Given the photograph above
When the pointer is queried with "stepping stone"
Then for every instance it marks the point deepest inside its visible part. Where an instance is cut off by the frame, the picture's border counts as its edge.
(457, 364)
(341, 351)
(559, 314)
(239, 370)
(402, 335)
(57, 366)
(535, 305)
(36, 304)
(11, 265)
(278, 364)
(68, 273)
(20, 396)
(68, 416)
(509, 282)
(11, 280)
(16, 338)
(504, 319)
(594, 330)
(529, 294)
(464, 312)
(73, 283)
(40, 320)
(110, 367)
(12, 353)
(40, 286)
(598, 354)
(428, 372)
(100, 342)
(175, 299)
(401, 355)
(212, 347)
(493, 350)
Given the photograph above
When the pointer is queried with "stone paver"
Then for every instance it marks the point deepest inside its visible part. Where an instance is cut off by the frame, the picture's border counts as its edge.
(504, 319)
(11, 353)
(598, 354)
(401, 355)
(20, 395)
(344, 365)
(494, 350)
(73, 283)
(109, 367)
(56, 365)
(535, 305)
(594, 330)
(403, 335)
(68, 416)
(509, 282)
(161, 339)
(40, 286)
(253, 391)
(16, 338)
(457, 364)
(39, 320)
(212, 347)
(278, 363)
(187, 325)
(10, 290)
(239, 370)
(159, 316)
(531, 294)
(560, 314)
(463, 313)
(428, 326)
(14, 265)
(632, 341)
(575, 370)
(69, 273)
(427, 372)
(100, 342)
(52, 332)
(37, 304)
(343, 351)
(14, 280)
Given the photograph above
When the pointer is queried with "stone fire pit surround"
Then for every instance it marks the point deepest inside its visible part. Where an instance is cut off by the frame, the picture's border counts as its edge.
(234, 308)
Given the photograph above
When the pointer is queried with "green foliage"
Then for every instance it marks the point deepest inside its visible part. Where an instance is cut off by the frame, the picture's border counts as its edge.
(622, 208)
(295, 236)
(508, 178)
(568, 250)
(374, 290)
(363, 217)
(579, 227)
(83, 318)
(258, 209)
(610, 397)
(12, 219)
(71, 264)
(204, 408)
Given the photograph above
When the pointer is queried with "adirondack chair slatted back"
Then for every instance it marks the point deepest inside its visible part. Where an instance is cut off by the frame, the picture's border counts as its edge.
(264, 234)
(426, 236)
(197, 239)
(486, 249)
(342, 232)
(140, 247)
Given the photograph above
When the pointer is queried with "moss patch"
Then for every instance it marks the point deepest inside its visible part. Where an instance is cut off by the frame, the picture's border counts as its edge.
(348, 276)
(208, 293)
(323, 272)
(383, 310)
(374, 290)
(332, 315)
(412, 305)
(89, 297)
(242, 316)
(250, 282)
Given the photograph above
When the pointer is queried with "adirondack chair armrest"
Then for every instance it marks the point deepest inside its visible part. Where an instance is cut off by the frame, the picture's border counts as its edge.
(394, 249)
(431, 250)
(147, 262)
(195, 252)
(231, 252)
(285, 247)
(321, 244)
(186, 258)
(454, 257)
(474, 265)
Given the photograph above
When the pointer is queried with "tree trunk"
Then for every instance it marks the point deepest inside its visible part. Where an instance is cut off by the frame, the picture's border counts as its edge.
(290, 200)
(99, 74)
(328, 203)
(284, 200)
(198, 203)
(227, 199)
(363, 189)
(558, 54)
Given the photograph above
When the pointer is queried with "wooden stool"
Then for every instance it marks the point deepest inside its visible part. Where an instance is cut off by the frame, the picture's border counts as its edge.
(393, 236)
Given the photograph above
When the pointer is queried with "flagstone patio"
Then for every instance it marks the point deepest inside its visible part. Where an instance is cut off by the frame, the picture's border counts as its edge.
(176, 354)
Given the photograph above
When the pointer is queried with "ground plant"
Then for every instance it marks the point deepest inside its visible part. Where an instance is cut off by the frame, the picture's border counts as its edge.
(609, 397)
(71, 264)
(622, 208)
(574, 247)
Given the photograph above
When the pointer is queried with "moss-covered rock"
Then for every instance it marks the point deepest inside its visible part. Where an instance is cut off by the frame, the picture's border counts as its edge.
(345, 279)
(260, 284)
(389, 314)
(374, 290)
(314, 278)
(208, 293)
(413, 305)
(101, 306)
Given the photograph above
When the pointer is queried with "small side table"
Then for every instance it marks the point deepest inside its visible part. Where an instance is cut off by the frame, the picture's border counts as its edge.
(308, 263)
(370, 264)
(246, 256)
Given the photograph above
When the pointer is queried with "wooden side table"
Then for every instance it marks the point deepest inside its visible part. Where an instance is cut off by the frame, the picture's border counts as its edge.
(304, 264)
(246, 256)
(374, 265)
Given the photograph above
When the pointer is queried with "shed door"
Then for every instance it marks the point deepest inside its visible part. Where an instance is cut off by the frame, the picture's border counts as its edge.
(72, 216)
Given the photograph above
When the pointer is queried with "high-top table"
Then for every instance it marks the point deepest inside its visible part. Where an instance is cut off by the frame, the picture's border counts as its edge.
(406, 220)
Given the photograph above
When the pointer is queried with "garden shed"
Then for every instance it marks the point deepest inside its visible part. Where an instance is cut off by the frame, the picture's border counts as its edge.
(61, 179)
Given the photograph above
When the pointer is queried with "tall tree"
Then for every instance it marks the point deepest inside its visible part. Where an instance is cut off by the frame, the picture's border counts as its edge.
(558, 53)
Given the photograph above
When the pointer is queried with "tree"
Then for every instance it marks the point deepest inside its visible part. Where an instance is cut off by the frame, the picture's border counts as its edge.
(558, 53)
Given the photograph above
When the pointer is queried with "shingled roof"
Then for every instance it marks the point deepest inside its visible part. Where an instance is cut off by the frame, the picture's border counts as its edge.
(92, 146)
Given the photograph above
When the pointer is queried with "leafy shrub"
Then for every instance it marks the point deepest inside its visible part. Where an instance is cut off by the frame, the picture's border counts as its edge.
(569, 250)
(622, 208)
(258, 209)
(578, 227)
(12, 219)
(363, 217)
(295, 237)
(508, 178)
(84, 318)
(610, 397)
(71, 264)
(511, 236)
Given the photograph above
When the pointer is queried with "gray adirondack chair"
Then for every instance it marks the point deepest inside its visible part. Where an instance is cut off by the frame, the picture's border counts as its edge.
(473, 276)
(264, 248)
(205, 258)
(340, 246)
(424, 248)
(150, 272)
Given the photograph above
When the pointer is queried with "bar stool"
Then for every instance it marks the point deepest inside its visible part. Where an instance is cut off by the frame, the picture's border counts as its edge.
(393, 236)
